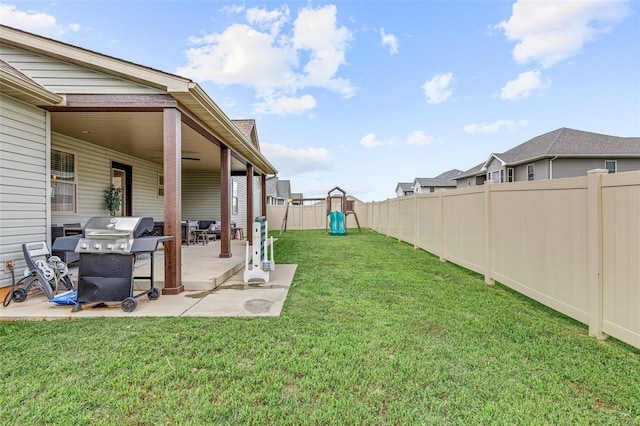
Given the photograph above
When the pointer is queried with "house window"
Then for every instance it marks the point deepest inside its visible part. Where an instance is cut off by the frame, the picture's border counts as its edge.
(234, 197)
(510, 175)
(63, 181)
(530, 172)
(611, 166)
(497, 176)
(160, 185)
(431, 189)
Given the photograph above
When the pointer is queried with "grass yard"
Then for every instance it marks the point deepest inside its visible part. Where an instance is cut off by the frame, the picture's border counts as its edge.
(373, 332)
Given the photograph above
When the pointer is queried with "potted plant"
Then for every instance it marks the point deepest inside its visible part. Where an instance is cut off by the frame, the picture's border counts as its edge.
(113, 199)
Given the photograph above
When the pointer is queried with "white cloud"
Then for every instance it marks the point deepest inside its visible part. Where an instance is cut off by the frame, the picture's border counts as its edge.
(523, 86)
(420, 138)
(273, 20)
(370, 141)
(390, 41)
(285, 105)
(275, 57)
(551, 31)
(495, 126)
(35, 22)
(292, 161)
(437, 89)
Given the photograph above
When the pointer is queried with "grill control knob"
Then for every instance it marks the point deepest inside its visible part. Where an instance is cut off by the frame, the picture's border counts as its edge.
(96, 246)
(122, 246)
(84, 246)
(109, 246)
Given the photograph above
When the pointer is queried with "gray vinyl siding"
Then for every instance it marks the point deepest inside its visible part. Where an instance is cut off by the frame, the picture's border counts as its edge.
(494, 165)
(94, 175)
(541, 170)
(23, 180)
(570, 167)
(201, 196)
(62, 77)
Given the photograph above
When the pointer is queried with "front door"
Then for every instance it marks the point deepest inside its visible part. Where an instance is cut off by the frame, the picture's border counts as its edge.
(121, 178)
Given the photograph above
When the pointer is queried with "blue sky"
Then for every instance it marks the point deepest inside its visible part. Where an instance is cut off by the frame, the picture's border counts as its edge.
(366, 94)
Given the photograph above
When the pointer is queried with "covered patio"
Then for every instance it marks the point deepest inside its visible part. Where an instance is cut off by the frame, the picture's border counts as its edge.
(158, 136)
(213, 287)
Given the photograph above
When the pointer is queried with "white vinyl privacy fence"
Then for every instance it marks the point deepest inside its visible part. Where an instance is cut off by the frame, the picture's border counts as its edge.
(571, 244)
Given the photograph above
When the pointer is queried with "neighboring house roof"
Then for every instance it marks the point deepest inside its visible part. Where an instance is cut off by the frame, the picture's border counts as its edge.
(474, 171)
(272, 187)
(284, 189)
(566, 142)
(297, 195)
(444, 179)
(404, 186)
(280, 189)
(184, 90)
(563, 143)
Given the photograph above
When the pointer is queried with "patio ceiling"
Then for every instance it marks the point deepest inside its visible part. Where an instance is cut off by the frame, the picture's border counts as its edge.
(139, 134)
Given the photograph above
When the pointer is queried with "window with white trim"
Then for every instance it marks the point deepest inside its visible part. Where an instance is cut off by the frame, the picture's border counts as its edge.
(63, 181)
(531, 172)
(611, 166)
(510, 175)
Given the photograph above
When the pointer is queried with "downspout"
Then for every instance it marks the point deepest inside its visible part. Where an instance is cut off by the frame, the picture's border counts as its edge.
(551, 167)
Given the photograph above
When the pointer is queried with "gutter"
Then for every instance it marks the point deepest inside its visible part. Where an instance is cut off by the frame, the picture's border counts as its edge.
(551, 167)
(245, 144)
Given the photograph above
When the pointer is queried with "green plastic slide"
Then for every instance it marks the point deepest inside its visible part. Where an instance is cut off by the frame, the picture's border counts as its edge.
(336, 223)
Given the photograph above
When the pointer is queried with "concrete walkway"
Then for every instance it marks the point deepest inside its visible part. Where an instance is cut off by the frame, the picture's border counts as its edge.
(214, 287)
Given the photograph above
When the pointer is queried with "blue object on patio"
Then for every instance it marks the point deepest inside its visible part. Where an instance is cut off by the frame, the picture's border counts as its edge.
(67, 298)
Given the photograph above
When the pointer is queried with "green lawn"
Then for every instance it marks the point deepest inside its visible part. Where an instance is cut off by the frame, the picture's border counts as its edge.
(373, 332)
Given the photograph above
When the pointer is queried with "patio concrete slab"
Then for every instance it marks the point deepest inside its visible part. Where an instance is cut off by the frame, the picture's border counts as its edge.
(231, 299)
(235, 299)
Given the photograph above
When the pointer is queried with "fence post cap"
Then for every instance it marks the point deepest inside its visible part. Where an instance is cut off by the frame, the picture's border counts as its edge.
(594, 171)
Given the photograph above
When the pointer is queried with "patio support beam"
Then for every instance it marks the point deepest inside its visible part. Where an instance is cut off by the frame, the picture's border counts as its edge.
(172, 142)
(249, 202)
(225, 202)
(111, 102)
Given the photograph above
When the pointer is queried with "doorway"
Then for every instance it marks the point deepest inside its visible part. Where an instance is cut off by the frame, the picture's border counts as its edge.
(121, 177)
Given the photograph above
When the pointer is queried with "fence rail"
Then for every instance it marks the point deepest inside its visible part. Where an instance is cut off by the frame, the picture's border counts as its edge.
(571, 244)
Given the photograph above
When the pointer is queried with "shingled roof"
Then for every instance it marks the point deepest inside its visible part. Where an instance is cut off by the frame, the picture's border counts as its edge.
(444, 179)
(563, 143)
(566, 142)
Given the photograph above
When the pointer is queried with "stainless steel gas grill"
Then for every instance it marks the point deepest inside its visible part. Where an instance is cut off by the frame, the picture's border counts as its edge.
(108, 248)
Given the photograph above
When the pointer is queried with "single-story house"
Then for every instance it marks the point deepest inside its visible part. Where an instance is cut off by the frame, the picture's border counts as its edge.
(441, 182)
(404, 188)
(558, 154)
(74, 121)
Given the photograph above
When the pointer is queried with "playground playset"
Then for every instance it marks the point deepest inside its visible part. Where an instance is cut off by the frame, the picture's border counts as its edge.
(339, 207)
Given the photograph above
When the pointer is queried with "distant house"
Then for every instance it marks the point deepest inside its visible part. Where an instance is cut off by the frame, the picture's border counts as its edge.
(441, 182)
(296, 198)
(558, 154)
(278, 191)
(404, 188)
